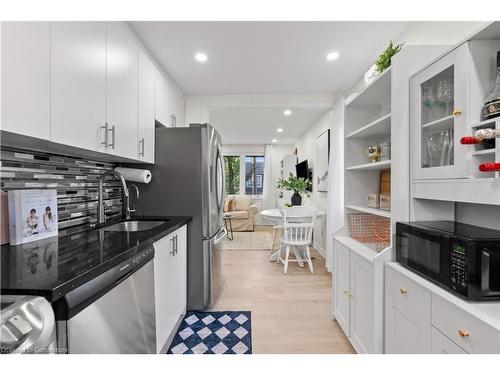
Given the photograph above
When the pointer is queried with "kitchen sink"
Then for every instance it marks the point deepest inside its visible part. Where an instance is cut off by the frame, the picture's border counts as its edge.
(133, 226)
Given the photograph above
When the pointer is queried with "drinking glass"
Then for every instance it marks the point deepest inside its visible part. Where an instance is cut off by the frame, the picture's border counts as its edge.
(444, 95)
(428, 102)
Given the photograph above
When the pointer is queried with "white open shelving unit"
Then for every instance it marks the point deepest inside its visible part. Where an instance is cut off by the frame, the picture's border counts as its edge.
(367, 122)
(358, 265)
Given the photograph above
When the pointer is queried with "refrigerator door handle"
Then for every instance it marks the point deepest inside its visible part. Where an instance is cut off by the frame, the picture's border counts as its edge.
(219, 181)
(221, 233)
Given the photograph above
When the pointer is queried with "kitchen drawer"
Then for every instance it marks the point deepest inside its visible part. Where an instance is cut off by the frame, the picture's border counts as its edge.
(441, 344)
(406, 290)
(463, 329)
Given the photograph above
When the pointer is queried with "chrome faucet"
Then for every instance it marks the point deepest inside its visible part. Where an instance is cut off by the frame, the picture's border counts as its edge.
(136, 189)
(101, 217)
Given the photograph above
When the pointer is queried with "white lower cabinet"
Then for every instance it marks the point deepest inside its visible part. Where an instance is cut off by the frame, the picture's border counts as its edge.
(170, 278)
(362, 304)
(407, 315)
(441, 344)
(422, 318)
(406, 331)
(358, 294)
(341, 287)
(463, 329)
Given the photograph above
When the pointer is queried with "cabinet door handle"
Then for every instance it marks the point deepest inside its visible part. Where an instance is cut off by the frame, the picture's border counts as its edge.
(141, 147)
(403, 291)
(457, 112)
(112, 144)
(106, 130)
(172, 246)
(463, 333)
(176, 248)
(175, 120)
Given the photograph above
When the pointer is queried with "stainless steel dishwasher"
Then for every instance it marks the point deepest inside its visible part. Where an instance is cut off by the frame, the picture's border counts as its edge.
(112, 313)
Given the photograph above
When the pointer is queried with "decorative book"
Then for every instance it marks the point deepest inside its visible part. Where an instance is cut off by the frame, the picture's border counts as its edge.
(32, 215)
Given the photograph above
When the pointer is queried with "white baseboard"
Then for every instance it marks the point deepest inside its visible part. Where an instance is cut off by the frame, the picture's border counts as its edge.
(319, 249)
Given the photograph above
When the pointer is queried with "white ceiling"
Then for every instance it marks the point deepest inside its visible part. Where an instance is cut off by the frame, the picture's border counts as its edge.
(257, 125)
(265, 57)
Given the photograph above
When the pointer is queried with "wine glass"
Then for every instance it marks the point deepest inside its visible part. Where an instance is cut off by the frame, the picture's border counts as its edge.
(444, 95)
(428, 101)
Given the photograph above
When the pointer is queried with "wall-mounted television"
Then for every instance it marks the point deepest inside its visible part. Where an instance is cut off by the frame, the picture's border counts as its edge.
(302, 170)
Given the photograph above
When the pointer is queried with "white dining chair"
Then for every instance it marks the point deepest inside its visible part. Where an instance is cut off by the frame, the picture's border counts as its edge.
(298, 225)
(277, 232)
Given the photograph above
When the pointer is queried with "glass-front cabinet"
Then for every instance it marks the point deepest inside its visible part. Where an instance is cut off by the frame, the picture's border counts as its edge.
(438, 119)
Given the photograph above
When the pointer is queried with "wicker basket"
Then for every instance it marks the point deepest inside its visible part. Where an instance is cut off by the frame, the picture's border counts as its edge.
(367, 228)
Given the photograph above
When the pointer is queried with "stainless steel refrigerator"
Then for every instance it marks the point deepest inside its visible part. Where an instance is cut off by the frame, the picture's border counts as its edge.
(188, 179)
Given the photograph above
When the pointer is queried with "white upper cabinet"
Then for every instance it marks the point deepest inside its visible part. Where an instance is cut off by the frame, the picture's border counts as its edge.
(25, 84)
(78, 84)
(163, 111)
(438, 118)
(121, 91)
(86, 85)
(146, 109)
(177, 108)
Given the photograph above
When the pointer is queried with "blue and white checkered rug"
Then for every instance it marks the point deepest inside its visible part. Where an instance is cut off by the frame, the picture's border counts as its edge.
(214, 332)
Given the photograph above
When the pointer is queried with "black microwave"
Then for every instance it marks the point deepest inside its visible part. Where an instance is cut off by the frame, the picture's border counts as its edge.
(462, 258)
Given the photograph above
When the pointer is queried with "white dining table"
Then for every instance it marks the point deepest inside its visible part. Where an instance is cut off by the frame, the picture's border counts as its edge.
(276, 215)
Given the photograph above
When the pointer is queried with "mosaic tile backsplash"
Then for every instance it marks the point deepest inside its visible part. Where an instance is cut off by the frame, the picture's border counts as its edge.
(75, 179)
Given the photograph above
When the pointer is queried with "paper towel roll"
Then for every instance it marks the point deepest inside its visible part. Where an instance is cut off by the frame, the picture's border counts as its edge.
(135, 175)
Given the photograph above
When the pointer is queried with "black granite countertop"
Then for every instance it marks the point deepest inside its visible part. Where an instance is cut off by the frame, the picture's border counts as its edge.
(55, 266)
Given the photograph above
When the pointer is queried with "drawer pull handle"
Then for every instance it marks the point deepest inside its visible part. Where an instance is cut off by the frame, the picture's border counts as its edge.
(347, 294)
(457, 112)
(403, 291)
(463, 333)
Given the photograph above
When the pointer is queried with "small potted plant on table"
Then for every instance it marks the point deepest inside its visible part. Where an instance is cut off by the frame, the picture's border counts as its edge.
(298, 185)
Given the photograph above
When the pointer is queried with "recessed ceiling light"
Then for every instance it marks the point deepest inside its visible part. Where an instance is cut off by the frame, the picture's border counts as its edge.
(332, 56)
(287, 112)
(274, 140)
(279, 130)
(201, 57)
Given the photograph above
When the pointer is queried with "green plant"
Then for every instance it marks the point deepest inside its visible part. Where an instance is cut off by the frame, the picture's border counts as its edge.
(232, 174)
(295, 184)
(384, 60)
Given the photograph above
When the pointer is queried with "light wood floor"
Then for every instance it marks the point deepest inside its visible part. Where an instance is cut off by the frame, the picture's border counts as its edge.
(290, 313)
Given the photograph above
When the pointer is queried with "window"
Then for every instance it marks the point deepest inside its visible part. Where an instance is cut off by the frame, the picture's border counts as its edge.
(232, 174)
(254, 175)
(249, 166)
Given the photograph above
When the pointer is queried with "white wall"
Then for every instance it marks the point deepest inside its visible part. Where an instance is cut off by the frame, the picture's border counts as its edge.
(432, 33)
(306, 148)
(335, 218)
(425, 33)
(482, 215)
(198, 106)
